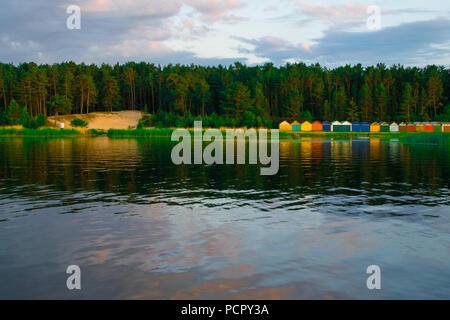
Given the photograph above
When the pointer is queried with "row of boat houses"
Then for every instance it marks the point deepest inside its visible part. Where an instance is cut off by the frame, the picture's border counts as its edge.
(337, 126)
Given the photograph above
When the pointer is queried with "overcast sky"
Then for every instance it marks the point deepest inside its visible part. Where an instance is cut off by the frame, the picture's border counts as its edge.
(210, 32)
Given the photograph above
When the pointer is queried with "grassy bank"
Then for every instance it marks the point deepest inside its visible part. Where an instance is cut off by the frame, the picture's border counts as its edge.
(139, 133)
(45, 132)
(416, 137)
(167, 132)
(161, 132)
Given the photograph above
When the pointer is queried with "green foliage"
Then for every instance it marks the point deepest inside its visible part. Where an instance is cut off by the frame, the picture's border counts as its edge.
(212, 121)
(177, 91)
(26, 120)
(163, 119)
(14, 113)
(381, 98)
(423, 101)
(339, 103)
(306, 116)
(327, 111)
(435, 91)
(249, 119)
(96, 132)
(187, 91)
(40, 120)
(144, 122)
(86, 89)
(261, 105)
(406, 107)
(59, 105)
(46, 132)
(317, 92)
(237, 100)
(3, 118)
(110, 97)
(365, 102)
(353, 111)
(445, 117)
(78, 123)
(295, 105)
(121, 133)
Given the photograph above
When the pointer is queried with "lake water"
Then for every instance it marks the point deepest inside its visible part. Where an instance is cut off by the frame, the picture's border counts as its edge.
(140, 227)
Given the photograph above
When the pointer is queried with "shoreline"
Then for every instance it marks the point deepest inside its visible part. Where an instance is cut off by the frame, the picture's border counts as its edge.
(167, 133)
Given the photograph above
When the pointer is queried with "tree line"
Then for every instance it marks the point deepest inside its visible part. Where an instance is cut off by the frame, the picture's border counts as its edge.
(263, 94)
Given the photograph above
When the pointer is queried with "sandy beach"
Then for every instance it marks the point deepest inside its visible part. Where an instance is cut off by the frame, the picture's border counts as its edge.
(101, 120)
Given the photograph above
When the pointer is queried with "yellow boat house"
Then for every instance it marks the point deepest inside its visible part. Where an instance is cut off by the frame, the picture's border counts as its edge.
(375, 127)
(306, 126)
(420, 127)
(285, 126)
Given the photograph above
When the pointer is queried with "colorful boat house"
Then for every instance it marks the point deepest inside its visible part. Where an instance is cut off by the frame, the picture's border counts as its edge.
(326, 126)
(346, 126)
(356, 126)
(402, 127)
(384, 127)
(428, 127)
(420, 127)
(375, 127)
(365, 126)
(285, 126)
(411, 127)
(393, 127)
(306, 126)
(437, 127)
(295, 126)
(333, 124)
(446, 127)
(317, 126)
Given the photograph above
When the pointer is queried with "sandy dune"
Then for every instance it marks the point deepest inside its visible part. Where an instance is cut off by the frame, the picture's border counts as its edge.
(101, 120)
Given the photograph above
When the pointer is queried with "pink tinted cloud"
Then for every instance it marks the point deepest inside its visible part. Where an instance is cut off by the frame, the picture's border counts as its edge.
(337, 14)
(149, 32)
(216, 10)
(189, 23)
(191, 30)
(131, 48)
(156, 8)
(274, 42)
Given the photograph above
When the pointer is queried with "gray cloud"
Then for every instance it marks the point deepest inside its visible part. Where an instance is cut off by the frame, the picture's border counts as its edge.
(421, 43)
(111, 31)
(344, 16)
(35, 31)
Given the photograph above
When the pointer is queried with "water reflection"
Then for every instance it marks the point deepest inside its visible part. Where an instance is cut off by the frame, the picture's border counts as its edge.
(141, 227)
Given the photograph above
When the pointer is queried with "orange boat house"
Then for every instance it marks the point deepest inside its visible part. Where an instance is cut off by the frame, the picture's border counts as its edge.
(317, 126)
